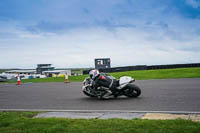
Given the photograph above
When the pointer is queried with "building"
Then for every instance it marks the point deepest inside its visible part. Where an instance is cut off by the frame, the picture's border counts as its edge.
(42, 70)
(102, 63)
(43, 67)
(57, 73)
(25, 72)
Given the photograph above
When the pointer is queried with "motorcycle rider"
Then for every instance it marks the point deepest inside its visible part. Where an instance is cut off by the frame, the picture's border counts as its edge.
(103, 80)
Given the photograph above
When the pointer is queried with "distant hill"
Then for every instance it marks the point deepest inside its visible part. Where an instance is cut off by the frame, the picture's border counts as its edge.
(3, 70)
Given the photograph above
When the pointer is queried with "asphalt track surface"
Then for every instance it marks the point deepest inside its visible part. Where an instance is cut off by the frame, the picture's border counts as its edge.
(157, 95)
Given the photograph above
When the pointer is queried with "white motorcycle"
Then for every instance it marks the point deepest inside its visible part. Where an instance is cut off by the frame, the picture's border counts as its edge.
(124, 87)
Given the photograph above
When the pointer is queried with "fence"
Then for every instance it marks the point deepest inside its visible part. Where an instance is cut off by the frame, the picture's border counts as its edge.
(144, 67)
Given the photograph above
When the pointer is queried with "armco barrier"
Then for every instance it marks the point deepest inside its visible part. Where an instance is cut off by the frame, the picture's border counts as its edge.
(144, 67)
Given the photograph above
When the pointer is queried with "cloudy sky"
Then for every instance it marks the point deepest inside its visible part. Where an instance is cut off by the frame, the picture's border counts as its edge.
(72, 33)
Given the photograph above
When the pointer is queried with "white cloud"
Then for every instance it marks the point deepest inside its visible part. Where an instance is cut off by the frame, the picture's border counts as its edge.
(193, 3)
(79, 48)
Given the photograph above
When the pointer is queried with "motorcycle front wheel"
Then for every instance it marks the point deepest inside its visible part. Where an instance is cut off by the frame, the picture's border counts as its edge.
(132, 90)
(87, 92)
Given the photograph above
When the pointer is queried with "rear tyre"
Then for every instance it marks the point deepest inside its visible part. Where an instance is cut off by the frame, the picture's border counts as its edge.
(132, 90)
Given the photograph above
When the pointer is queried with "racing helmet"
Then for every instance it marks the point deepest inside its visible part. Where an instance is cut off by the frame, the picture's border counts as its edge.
(94, 73)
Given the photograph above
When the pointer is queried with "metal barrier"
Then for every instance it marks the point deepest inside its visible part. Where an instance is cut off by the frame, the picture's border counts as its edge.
(145, 67)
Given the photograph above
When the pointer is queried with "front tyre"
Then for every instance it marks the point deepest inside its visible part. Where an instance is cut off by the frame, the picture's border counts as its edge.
(86, 91)
(132, 90)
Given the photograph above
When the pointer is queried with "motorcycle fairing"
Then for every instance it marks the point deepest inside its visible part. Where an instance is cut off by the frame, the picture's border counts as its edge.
(125, 80)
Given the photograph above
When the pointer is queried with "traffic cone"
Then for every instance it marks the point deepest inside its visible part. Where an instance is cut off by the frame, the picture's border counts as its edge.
(18, 80)
(66, 78)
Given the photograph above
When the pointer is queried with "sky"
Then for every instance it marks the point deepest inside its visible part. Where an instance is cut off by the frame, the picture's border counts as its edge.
(72, 33)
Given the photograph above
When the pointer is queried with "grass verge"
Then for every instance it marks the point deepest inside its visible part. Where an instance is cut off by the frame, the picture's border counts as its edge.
(22, 122)
(161, 73)
(138, 75)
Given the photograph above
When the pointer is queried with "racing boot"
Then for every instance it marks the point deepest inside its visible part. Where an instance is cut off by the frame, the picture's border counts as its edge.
(107, 94)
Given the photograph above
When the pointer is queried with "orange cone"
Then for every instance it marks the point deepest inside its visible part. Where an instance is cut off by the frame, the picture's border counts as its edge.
(18, 80)
(66, 78)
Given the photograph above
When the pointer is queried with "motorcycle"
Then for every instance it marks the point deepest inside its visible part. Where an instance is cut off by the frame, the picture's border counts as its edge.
(124, 87)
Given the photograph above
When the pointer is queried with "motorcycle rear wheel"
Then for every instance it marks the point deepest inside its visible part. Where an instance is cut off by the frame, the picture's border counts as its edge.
(132, 91)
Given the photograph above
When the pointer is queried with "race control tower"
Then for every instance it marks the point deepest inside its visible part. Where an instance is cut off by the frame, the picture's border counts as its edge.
(102, 63)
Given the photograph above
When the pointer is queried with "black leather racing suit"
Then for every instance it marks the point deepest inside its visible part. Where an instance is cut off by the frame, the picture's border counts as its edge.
(104, 80)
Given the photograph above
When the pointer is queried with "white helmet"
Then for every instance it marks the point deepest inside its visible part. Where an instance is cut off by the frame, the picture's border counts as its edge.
(94, 73)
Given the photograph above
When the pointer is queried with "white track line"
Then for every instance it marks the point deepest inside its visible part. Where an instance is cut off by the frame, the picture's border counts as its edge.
(95, 111)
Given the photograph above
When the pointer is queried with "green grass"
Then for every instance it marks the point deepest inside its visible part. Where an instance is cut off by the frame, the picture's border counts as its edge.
(22, 122)
(161, 73)
(59, 79)
(138, 75)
